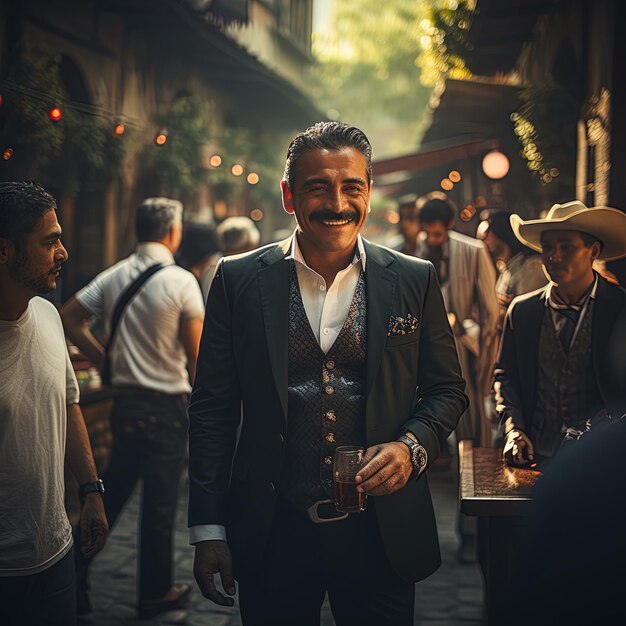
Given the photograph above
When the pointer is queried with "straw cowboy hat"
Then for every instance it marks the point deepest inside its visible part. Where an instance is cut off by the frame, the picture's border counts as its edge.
(606, 224)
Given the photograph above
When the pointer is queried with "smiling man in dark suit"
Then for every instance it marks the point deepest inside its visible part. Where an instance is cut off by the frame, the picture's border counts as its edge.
(325, 340)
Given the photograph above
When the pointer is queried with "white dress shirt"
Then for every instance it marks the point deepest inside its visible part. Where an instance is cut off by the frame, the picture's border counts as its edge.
(326, 309)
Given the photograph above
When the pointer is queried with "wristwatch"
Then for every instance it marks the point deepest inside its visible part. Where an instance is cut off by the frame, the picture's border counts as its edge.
(419, 456)
(97, 486)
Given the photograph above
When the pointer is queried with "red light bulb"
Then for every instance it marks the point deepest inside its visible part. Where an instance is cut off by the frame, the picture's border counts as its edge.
(55, 114)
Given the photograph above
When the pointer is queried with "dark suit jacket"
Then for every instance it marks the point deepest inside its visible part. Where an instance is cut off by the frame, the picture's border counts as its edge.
(413, 381)
(517, 365)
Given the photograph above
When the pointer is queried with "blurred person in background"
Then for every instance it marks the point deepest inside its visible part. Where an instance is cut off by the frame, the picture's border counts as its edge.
(409, 226)
(150, 360)
(467, 278)
(555, 372)
(238, 235)
(199, 253)
(41, 424)
(519, 268)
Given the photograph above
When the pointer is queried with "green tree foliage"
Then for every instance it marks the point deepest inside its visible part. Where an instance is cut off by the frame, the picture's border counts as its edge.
(367, 72)
(379, 60)
(444, 41)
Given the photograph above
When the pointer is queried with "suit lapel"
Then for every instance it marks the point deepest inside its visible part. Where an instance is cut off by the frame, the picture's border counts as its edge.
(273, 275)
(529, 349)
(380, 283)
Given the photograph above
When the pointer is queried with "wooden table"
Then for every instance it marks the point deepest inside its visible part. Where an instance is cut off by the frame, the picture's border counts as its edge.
(501, 497)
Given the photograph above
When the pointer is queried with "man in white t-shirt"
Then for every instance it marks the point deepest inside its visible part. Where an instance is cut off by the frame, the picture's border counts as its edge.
(152, 359)
(41, 424)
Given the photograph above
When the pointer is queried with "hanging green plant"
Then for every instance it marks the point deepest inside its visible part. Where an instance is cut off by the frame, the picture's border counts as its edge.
(71, 142)
(545, 125)
(172, 162)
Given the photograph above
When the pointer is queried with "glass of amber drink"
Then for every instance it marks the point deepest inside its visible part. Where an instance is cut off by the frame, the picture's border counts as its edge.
(347, 462)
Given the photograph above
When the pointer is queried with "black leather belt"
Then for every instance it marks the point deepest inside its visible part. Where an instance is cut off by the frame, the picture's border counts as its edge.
(324, 511)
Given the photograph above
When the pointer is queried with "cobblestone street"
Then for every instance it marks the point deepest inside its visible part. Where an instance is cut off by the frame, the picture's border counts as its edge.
(451, 597)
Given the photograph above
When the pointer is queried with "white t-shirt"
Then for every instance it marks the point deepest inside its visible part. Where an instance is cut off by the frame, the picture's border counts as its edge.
(37, 383)
(147, 351)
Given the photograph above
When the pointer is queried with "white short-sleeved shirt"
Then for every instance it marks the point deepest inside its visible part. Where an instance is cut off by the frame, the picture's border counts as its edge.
(37, 383)
(147, 351)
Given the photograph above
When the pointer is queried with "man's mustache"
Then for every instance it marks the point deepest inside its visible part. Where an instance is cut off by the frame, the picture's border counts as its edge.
(333, 215)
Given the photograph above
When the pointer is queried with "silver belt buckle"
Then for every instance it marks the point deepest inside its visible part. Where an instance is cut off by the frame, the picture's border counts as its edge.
(314, 515)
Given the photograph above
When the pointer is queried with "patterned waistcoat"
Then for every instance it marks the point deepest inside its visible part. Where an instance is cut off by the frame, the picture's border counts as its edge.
(567, 393)
(326, 404)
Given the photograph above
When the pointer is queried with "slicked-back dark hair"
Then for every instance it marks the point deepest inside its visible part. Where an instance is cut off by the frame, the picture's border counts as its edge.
(331, 136)
(22, 205)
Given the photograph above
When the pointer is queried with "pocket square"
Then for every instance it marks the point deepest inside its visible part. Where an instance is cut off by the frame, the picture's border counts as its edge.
(402, 325)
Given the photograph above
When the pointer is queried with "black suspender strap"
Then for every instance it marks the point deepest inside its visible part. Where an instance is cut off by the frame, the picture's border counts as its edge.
(120, 306)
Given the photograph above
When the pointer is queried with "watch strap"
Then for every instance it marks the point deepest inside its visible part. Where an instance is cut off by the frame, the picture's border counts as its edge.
(419, 456)
(96, 486)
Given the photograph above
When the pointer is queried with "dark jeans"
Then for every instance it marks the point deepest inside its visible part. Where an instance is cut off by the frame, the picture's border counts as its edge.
(149, 443)
(45, 599)
(305, 560)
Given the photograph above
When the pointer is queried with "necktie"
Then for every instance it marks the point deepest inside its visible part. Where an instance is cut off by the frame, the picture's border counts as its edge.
(570, 320)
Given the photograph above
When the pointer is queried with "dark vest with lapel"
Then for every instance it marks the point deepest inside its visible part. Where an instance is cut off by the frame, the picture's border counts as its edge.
(567, 393)
(326, 398)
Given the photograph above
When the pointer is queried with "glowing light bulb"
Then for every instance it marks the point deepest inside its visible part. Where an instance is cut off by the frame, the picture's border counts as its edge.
(55, 114)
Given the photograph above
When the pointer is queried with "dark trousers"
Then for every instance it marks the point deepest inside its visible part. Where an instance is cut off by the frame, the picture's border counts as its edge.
(45, 599)
(305, 560)
(149, 443)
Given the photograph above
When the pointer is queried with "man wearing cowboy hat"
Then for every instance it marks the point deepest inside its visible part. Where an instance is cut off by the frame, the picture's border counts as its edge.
(559, 363)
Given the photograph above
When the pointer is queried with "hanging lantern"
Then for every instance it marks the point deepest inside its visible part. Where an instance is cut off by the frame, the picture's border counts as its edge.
(495, 165)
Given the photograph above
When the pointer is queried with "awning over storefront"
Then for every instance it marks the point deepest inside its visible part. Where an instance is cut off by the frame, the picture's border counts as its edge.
(469, 118)
(431, 156)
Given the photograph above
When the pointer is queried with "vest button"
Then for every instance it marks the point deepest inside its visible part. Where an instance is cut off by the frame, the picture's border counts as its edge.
(271, 487)
(330, 365)
(329, 390)
(281, 438)
(330, 415)
(330, 437)
(328, 460)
